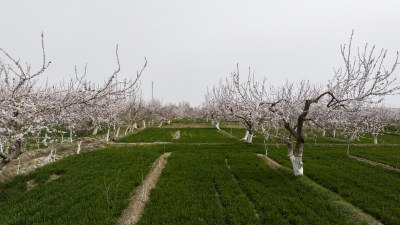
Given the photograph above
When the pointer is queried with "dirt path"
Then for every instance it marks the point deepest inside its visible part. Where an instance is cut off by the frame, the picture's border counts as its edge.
(132, 214)
(30, 160)
(374, 163)
(350, 210)
(269, 161)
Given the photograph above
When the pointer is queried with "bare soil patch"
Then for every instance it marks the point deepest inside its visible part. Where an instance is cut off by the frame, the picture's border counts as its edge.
(176, 135)
(53, 177)
(30, 160)
(30, 185)
(132, 214)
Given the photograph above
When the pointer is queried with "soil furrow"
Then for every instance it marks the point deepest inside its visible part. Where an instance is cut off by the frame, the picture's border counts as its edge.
(237, 183)
(133, 212)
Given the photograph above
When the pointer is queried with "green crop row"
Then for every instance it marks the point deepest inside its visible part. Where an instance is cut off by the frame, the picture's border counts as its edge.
(90, 188)
(389, 155)
(373, 189)
(187, 135)
(281, 198)
(197, 187)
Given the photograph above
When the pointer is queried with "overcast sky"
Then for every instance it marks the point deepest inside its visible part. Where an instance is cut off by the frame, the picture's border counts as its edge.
(190, 45)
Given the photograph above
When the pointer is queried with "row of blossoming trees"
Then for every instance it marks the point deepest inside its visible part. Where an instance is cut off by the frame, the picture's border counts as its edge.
(348, 103)
(30, 107)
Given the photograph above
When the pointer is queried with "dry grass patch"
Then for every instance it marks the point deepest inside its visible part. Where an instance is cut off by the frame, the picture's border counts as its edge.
(30, 184)
(53, 177)
(176, 135)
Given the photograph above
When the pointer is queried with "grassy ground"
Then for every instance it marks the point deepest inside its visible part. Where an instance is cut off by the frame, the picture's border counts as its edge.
(189, 120)
(281, 198)
(389, 155)
(382, 139)
(240, 132)
(78, 196)
(373, 189)
(259, 138)
(197, 186)
(187, 135)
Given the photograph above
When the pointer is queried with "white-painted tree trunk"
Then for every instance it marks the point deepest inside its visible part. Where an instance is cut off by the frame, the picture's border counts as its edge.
(45, 139)
(118, 131)
(334, 133)
(70, 135)
(169, 122)
(95, 130)
(266, 147)
(375, 138)
(246, 135)
(297, 165)
(217, 126)
(19, 163)
(54, 156)
(1, 146)
(50, 156)
(79, 147)
(323, 133)
(127, 129)
(212, 122)
(108, 134)
(62, 138)
(250, 138)
(134, 126)
(296, 161)
(144, 124)
(160, 124)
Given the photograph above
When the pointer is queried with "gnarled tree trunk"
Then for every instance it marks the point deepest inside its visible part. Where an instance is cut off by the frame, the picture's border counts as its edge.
(295, 158)
(16, 150)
